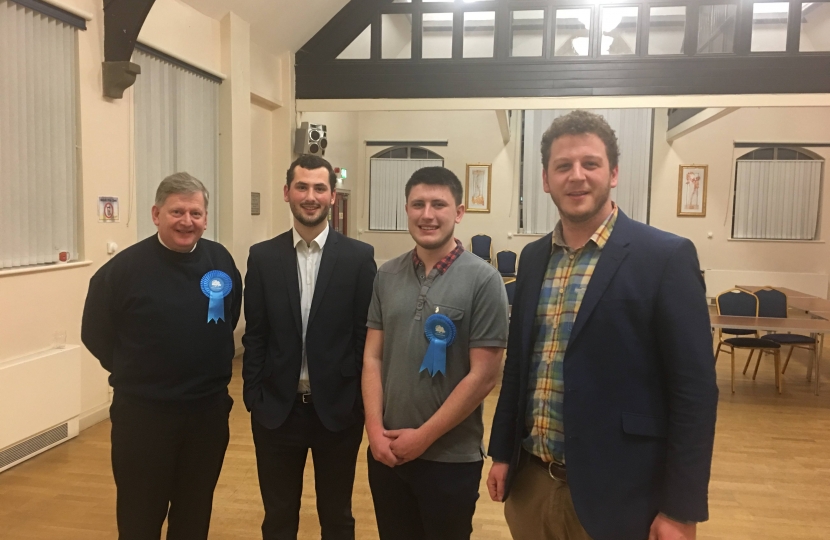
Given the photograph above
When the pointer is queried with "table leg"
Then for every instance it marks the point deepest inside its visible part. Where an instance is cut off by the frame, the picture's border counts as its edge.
(820, 345)
(810, 362)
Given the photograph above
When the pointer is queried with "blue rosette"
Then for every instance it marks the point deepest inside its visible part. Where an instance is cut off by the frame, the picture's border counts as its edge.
(440, 331)
(216, 285)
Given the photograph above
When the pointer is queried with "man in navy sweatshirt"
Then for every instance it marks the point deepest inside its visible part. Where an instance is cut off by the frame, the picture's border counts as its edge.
(160, 318)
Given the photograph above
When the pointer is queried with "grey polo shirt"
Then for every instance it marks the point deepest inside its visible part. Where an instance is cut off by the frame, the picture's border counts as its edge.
(471, 293)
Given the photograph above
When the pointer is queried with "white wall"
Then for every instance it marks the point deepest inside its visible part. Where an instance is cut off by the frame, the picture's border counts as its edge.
(713, 145)
(815, 35)
(42, 302)
(473, 137)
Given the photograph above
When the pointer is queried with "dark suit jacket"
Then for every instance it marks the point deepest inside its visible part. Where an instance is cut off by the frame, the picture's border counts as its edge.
(335, 335)
(640, 390)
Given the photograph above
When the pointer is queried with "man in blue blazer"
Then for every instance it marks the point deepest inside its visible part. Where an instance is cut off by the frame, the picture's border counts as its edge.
(606, 419)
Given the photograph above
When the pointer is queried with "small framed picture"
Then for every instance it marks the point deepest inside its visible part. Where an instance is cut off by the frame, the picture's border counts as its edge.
(691, 190)
(477, 188)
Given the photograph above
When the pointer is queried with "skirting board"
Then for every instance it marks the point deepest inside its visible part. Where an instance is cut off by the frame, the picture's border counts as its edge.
(89, 418)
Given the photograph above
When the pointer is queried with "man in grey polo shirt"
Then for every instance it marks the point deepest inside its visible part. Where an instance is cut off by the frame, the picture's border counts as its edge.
(423, 416)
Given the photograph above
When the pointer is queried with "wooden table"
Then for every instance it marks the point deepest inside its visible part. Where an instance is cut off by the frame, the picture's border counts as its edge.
(791, 293)
(822, 314)
(771, 324)
(809, 305)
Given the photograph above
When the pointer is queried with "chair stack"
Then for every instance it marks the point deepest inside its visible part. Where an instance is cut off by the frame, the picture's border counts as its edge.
(741, 303)
(773, 303)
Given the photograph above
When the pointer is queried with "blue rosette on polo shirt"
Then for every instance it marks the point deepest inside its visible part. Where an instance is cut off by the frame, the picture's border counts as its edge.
(440, 331)
(216, 285)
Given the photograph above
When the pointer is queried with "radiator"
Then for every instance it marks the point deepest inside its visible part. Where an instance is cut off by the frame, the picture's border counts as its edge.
(40, 401)
(718, 281)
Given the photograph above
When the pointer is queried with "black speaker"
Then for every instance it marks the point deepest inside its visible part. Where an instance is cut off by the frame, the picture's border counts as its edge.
(311, 139)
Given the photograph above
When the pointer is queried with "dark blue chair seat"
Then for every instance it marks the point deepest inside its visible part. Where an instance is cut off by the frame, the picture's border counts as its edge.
(755, 343)
(790, 339)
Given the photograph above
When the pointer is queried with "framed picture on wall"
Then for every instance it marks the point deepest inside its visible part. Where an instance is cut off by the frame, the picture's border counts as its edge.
(477, 187)
(691, 190)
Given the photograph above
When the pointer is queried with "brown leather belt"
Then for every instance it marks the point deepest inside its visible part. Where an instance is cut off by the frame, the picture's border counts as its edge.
(303, 398)
(555, 470)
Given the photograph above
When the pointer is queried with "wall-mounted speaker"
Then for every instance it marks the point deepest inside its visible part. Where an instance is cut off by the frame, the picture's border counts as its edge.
(311, 139)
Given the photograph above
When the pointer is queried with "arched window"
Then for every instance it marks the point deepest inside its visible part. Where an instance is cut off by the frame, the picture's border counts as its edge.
(777, 194)
(389, 171)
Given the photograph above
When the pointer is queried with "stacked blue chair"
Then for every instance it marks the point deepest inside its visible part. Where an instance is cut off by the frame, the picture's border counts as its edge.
(482, 245)
(506, 263)
(773, 303)
(740, 303)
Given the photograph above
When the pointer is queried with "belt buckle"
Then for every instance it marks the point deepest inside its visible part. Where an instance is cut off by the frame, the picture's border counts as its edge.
(306, 398)
(551, 465)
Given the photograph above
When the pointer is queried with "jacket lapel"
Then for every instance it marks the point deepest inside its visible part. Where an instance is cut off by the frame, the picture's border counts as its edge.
(613, 254)
(327, 264)
(288, 258)
(535, 269)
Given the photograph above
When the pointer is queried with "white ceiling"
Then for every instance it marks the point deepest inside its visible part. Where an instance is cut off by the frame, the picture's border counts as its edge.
(276, 25)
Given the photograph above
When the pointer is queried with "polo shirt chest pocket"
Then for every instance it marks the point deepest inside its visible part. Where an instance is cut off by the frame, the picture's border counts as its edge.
(456, 315)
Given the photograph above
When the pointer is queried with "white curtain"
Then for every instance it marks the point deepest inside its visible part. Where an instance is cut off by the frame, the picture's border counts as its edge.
(38, 138)
(176, 129)
(633, 129)
(387, 181)
(777, 199)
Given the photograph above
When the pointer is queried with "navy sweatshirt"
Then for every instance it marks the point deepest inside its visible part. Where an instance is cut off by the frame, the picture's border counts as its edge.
(146, 320)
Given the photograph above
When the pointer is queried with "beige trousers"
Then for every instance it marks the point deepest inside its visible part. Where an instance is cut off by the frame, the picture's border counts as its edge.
(540, 507)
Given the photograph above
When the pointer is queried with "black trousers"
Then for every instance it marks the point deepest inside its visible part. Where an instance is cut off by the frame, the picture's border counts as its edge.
(281, 457)
(424, 500)
(166, 460)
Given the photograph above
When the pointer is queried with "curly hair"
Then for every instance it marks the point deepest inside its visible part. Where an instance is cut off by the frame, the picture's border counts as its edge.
(581, 123)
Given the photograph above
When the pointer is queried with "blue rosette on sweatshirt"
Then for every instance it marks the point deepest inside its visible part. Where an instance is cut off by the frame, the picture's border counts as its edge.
(440, 331)
(216, 285)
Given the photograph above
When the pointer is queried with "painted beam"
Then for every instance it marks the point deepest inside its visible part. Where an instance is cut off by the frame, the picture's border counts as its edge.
(703, 118)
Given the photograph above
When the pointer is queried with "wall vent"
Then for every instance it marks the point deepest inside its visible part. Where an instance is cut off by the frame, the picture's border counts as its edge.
(36, 444)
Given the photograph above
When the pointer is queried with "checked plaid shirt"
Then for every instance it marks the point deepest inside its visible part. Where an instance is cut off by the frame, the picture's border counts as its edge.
(566, 280)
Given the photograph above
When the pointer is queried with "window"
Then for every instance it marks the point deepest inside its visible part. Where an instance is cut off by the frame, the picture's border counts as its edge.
(571, 32)
(38, 138)
(814, 34)
(538, 214)
(777, 194)
(176, 129)
(479, 34)
(769, 26)
(619, 30)
(396, 36)
(666, 29)
(360, 48)
(389, 172)
(527, 28)
(437, 35)
(716, 28)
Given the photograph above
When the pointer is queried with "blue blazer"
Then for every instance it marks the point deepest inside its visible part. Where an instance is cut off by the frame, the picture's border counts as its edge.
(640, 388)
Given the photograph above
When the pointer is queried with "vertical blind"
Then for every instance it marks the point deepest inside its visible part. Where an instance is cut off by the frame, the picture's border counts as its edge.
(176, 129)
(777, 199)
(38, 138)
(633, 129)
(388, 178)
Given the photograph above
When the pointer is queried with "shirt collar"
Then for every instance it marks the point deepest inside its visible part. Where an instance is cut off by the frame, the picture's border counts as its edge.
(320, 240)
(165, 245)
(444, 263)
(600, 236)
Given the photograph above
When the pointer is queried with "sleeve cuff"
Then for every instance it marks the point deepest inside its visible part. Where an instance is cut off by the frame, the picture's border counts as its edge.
(374, 325)
(683, 521)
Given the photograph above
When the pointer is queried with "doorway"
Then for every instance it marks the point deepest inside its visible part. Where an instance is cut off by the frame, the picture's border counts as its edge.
(340, 213)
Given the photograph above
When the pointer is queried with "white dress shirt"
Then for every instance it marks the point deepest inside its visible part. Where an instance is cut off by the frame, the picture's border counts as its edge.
(308, 265)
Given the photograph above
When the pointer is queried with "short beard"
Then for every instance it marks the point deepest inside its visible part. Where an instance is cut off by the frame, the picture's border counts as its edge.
(299, 216)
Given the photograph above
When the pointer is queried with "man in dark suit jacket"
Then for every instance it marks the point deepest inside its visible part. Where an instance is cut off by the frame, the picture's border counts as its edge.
(307, 293)
(606, 419)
